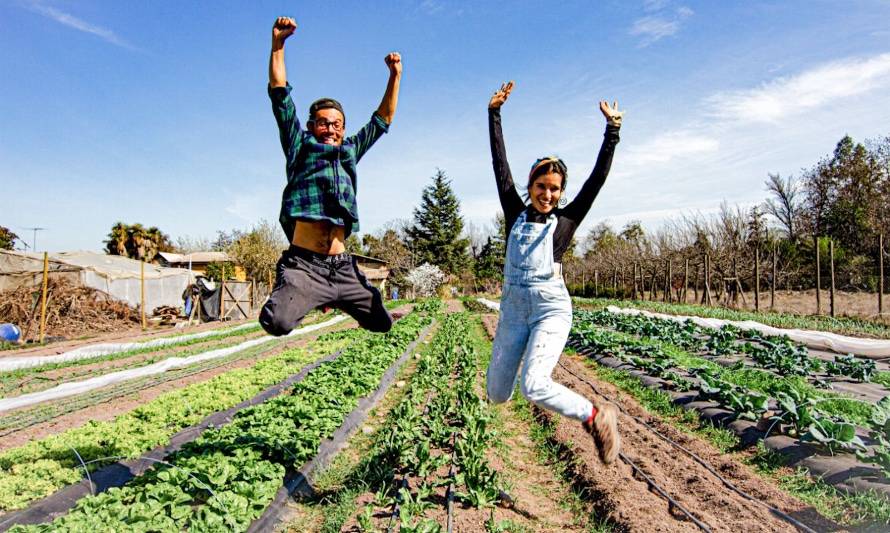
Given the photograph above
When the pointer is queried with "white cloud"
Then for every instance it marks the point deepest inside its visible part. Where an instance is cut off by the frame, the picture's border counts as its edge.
(782, 97)
(654, 28)
(658, 26)
(654, 5)
(670, 145)
(73, 22)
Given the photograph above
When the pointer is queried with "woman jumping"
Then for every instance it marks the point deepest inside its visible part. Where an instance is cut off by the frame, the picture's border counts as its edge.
(536, 311)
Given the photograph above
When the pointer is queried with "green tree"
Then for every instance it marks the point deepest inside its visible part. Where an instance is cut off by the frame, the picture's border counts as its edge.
(258, 250)
(353, 244)
(435, 236)
(137, 242)
(7, 238)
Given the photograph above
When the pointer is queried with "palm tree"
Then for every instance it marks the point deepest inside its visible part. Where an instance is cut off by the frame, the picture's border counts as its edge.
(117, 240)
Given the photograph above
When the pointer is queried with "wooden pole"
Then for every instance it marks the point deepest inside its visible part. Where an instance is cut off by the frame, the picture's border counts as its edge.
(881, 274)
(653, 292)
(757, 279)
(596, 283)
(772, 290)
(818, 280)
(686, 281)
(222, 298)
(142, 291)
(43, 296)
(708, 279)
(831, 261)
(669, 282)
(735, 274)
(252, 296)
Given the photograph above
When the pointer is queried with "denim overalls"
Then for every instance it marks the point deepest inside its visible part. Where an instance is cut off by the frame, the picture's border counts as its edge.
(536, 316)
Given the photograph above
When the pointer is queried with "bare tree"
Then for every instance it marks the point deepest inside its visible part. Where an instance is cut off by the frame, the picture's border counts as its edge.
(786, 206)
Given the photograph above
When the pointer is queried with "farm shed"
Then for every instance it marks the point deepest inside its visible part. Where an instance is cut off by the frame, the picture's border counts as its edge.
(117, 276)
(198, 262)
(376, 270)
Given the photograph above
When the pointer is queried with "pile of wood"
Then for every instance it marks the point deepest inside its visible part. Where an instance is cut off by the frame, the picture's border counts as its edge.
(167, 313)
(71, 311)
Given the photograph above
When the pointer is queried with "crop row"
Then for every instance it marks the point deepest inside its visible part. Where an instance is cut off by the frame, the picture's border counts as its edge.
(787, 404)
(775, 353)
(43, 466)
(435, 439)
(227, 477)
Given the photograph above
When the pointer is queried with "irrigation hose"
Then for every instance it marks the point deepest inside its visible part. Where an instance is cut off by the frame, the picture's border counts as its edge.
(694, 457)
(671, 502)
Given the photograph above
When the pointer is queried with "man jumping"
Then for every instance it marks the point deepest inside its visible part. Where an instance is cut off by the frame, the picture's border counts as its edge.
(318, 206)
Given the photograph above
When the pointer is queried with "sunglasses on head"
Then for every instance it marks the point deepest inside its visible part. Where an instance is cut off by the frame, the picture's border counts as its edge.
(549, 159)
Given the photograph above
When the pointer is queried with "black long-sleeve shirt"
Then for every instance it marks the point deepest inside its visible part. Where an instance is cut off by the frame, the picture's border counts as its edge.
(569, 217)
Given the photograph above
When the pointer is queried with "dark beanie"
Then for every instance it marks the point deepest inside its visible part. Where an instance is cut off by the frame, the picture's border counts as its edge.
(325, 103)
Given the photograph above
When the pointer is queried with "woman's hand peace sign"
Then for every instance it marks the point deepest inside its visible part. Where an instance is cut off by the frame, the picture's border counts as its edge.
(500, 96)
(613, 116)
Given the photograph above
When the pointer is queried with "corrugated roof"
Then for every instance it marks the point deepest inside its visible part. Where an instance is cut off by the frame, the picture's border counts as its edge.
(195, 257)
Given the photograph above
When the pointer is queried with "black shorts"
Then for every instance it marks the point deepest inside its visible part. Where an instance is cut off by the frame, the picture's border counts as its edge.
(305, 280)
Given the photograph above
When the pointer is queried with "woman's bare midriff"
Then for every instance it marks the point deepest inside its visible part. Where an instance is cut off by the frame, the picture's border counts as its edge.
(320, 236)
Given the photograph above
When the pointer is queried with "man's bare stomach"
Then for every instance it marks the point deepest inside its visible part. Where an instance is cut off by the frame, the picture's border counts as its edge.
(320, 236)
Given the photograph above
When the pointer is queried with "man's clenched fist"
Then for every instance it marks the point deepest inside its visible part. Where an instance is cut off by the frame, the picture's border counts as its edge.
(284, 27)
(394, 62)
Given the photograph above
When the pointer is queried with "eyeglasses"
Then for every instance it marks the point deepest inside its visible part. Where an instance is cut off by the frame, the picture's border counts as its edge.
(336, 125)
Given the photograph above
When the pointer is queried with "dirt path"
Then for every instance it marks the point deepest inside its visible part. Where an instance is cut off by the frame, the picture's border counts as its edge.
(630, 503)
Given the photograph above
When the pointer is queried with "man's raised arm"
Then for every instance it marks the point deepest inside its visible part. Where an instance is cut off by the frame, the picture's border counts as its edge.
(387, 109)
(284, 27)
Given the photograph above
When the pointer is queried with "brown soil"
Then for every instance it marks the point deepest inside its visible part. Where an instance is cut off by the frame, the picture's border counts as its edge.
(632, 506)
(109, 410)
(45, 380)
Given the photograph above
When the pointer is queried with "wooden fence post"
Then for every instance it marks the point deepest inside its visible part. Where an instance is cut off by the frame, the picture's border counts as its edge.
(222, 298)
(142, 291)
(757, 279)
(831, 261)
(685, 280)
(707, 295)
(772, 290)
(669, 285)
(818, 280)
(881, 274)
(43, 296)
(596, 283)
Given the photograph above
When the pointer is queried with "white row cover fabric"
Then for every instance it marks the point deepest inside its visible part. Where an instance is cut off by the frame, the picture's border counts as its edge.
(820, 340)
(99, 350)
(489, 304)
(80, 387)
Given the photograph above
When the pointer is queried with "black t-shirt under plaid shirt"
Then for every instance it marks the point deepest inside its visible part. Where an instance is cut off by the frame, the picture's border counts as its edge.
(321, 178)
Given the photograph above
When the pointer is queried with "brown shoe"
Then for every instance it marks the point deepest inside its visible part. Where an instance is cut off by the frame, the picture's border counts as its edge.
(604, 429)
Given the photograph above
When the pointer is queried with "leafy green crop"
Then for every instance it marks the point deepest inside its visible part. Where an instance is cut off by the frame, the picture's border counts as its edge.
(227, 477)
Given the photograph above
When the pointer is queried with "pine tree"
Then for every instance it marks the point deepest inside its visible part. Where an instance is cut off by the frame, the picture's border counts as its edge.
(435, 236)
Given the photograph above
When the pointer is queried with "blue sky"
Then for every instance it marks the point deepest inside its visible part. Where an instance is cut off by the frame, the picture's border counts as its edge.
(156, 112)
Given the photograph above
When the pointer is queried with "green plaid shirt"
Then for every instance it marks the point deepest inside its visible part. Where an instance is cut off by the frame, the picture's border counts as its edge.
(321, 178)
